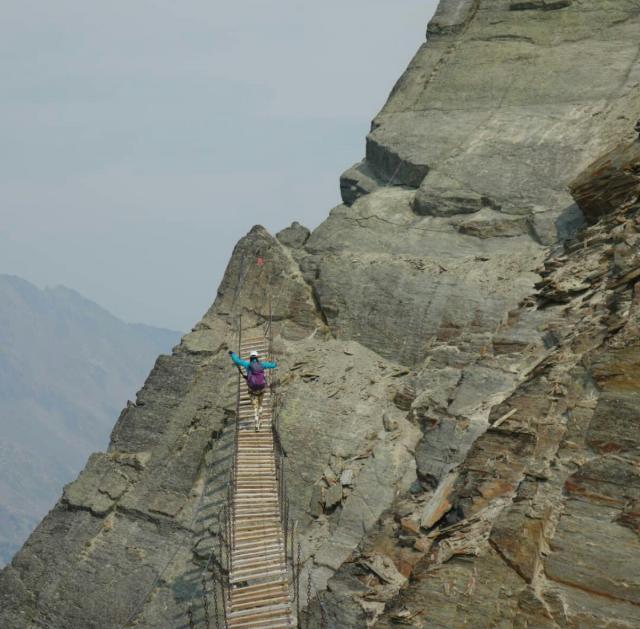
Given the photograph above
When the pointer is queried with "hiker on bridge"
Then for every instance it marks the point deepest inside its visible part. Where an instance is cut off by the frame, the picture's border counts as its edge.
(256, 381)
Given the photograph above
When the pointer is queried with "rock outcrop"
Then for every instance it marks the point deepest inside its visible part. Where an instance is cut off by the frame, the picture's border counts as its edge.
(609, 182)
(543, 513)
(448, 373)
(66, 366)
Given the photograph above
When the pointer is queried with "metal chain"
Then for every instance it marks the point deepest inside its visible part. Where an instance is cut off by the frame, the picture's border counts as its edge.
(323, 617)
(205, 602)
(219, 563)
(216, 608)
(226, 521)
(190, 618)
(308, 599)
(298, 606)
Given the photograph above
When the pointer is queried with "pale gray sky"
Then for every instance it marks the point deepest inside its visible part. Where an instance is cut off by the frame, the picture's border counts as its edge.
(140, 139)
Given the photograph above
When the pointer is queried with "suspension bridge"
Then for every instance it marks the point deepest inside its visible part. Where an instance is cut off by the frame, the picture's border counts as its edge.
(258, 593)
(256, 569)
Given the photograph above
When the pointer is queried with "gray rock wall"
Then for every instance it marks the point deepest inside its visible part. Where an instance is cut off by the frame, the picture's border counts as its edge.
(539, 525)
(506, 103)
(407, 325)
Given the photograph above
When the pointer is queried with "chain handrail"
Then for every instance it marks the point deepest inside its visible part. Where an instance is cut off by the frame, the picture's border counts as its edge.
(227, 516)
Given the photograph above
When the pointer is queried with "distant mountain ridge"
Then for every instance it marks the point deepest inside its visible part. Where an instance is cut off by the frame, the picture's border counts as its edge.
(66, 367)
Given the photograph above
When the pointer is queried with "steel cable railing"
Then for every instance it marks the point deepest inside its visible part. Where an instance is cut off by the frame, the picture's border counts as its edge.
(226, 517)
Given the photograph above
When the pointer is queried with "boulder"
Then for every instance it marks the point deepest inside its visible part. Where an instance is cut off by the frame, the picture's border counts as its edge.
(333, 497)
(294, 236)
(346, 478)
(389, 423)
(357, 181)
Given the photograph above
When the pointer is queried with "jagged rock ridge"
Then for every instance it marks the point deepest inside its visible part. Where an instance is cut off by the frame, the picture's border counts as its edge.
(409, 329)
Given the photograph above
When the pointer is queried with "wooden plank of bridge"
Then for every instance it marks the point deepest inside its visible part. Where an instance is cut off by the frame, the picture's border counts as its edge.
(259, 595)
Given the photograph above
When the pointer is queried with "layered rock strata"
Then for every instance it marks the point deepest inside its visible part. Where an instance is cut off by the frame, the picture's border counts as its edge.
(447, 463)
(538, 526)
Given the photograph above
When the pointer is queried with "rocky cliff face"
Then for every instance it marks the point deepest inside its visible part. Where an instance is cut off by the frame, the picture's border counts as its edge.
(65, 367)
(457, 390)
(538, 526)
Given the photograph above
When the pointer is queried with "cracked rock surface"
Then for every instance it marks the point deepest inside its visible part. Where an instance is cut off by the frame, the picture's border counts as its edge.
(537, 524)
(458, 361)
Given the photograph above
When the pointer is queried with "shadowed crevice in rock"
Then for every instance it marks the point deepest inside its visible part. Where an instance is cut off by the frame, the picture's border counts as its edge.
(392, 168)
(358, 181)
(540, 5)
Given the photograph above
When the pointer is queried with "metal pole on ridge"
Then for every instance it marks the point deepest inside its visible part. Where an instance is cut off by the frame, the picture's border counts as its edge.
(234, 462)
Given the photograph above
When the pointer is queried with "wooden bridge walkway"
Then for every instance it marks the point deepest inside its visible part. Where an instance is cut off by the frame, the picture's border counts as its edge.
(258, 581)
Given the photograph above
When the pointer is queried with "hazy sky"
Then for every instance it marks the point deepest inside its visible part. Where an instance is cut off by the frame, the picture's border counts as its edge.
(140, 139)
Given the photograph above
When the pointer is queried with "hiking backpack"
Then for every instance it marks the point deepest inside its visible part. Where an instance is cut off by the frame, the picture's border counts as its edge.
(255, 376)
